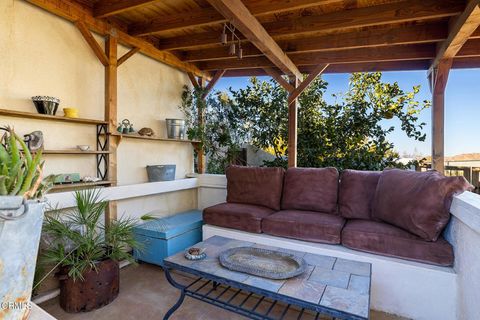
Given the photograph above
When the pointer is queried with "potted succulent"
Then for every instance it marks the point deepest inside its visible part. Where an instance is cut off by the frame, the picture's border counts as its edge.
(21, 214)
(87, 251)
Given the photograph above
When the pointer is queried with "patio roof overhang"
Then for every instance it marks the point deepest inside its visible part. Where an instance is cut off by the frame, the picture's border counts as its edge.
(287, 37)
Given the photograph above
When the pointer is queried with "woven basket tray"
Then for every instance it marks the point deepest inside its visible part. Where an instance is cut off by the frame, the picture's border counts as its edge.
(263, 262)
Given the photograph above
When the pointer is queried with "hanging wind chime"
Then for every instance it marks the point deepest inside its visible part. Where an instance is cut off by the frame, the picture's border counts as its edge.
(235, 47)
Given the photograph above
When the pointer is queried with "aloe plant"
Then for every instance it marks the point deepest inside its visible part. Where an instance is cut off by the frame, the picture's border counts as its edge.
(21, 173)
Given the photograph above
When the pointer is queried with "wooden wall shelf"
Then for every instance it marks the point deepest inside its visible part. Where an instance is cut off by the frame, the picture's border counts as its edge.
(73, 151)
(79, 185)
(38, 116)
(137, 136)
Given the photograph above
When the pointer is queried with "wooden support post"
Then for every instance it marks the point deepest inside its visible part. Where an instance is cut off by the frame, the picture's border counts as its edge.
(202, 161)
(292, 127)
(438, 81)
(111, 115)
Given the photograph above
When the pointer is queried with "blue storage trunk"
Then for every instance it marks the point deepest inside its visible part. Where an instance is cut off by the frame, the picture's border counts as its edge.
(166, 236)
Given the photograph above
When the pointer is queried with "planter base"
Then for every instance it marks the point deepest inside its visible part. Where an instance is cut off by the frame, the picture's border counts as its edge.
(97, 289)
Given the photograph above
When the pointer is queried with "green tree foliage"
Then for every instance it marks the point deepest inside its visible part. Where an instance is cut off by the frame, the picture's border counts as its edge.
(352, 133)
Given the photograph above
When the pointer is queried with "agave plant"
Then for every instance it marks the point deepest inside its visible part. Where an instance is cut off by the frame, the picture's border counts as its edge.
(21, 173)
(78, 240)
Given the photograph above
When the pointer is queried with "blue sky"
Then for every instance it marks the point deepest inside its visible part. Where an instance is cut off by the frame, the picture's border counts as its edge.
(461, 116)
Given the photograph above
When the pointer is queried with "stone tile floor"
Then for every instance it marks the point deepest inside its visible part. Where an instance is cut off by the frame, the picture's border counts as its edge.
(146, 294)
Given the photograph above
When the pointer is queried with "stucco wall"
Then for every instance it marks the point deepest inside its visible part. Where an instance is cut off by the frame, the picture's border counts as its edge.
(463, 233)
(42, 54)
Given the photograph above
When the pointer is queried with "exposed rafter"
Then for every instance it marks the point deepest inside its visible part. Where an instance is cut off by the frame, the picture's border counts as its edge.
(209, 16)
(236, 12)
(461, 28)
(397, 53)
(107, 8)
(377, 37)
(400, 12)
(74, 12)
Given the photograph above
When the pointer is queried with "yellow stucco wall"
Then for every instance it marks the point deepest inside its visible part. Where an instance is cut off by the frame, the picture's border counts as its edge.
(41, 54)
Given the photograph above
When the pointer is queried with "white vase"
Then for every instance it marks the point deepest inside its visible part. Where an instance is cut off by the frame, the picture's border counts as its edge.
(20, 230)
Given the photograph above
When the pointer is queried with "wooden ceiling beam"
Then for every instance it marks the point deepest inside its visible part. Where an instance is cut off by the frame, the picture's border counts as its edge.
(399, 12)
(377, 37)
(103, 9)
(74, 12)
(348, 68)
(236, 12)
(396, 53)
(209, 16)
(461, 29)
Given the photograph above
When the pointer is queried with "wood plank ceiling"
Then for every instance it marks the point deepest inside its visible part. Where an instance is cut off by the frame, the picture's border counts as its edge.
(350, 35)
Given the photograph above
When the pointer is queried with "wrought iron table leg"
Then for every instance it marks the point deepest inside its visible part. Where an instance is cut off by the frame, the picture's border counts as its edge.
(180, 299)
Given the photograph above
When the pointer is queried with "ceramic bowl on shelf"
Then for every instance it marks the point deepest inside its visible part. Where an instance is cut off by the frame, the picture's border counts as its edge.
(70, 112)
(83, 147)
(46, 104)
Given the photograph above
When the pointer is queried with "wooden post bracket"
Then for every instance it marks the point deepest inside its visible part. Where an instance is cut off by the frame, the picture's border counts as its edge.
(87, 35)
(127, 55)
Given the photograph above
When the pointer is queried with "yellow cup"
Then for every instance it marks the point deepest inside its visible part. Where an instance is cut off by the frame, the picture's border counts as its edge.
(70, 112)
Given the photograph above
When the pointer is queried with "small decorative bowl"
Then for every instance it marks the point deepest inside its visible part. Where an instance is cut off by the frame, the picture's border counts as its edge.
(83, 147)
(70, 112)
(46, 104)
(195, 254)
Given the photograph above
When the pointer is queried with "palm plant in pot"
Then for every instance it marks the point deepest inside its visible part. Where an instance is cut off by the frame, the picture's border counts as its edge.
(87, 251)
(21, 214)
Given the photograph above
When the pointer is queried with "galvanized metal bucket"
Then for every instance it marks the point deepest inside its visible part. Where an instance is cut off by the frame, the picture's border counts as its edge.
(20, 230)
(175, 128)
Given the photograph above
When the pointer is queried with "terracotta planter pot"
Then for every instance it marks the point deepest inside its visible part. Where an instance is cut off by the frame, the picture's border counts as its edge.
(97, 290)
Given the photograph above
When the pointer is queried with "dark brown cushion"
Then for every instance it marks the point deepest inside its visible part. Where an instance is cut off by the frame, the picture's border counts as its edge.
(356, 193)
(304, 225)
(418, 202)
(255, 185)
(312, 189)
(388, 240)
(239, 216)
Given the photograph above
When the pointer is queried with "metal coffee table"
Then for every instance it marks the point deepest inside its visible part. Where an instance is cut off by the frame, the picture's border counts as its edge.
(332, 287)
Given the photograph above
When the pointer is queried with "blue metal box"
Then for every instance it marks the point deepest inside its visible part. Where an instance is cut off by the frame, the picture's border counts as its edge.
(167, 236)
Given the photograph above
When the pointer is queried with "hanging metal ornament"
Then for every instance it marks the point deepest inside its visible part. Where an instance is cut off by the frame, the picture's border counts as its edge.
(223, 36)
(239, 51)
(232, 49)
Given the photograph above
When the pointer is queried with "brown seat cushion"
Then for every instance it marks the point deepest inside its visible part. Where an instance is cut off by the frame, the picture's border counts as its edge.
(239, 216)
(356, 193)
(388, 240)
(312, 189)
(255, 185)
(304, 225)
(418, 202)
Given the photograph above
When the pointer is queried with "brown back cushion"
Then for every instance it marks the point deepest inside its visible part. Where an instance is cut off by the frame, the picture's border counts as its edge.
(313, 189)
(255, 185)
(418, 202)
(356, 193)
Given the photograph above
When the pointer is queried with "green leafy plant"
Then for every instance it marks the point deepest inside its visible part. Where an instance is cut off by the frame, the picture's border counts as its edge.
(77, 240)
(350, 133)
(21, 173)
